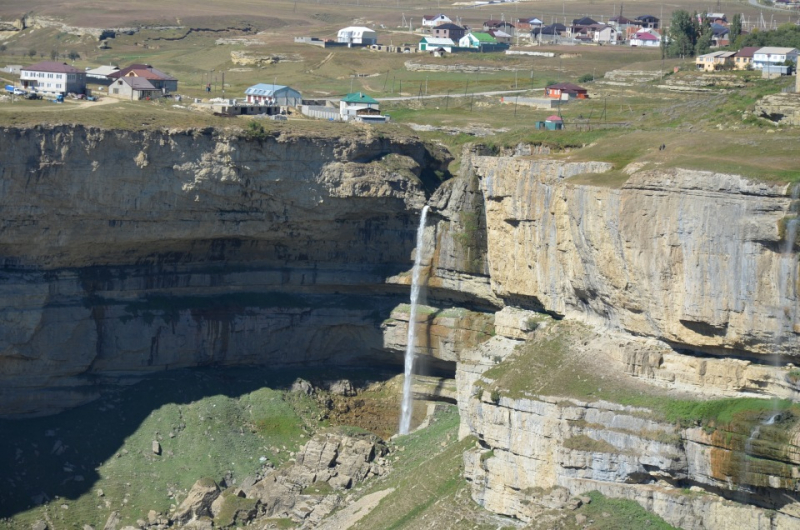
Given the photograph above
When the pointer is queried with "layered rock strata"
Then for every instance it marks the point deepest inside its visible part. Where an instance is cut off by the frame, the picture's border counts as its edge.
(532, 443)
(692, 258)
(128, 252)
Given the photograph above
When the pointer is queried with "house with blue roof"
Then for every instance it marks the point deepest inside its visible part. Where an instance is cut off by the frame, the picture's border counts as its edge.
(278, 95)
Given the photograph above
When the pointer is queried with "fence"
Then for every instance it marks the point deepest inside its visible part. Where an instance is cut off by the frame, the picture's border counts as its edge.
(320, 112)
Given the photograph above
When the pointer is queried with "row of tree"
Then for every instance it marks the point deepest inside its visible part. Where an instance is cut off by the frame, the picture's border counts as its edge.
(691, 35)
(688, 36)
(72, 55)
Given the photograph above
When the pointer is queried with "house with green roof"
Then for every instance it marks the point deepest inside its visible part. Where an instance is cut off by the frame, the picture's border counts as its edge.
(358, 104)
(477, 40)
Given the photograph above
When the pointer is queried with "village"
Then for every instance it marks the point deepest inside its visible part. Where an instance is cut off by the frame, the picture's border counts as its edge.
(439, 37)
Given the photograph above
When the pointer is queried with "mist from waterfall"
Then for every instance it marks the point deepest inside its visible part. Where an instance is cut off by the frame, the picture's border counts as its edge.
(408, 404)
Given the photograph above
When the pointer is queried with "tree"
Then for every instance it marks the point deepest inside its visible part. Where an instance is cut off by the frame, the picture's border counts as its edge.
(73, 55)
(736, 27)
(682, 34)
(32, 53)
(53, 55)
(2, 47)
(703, 43)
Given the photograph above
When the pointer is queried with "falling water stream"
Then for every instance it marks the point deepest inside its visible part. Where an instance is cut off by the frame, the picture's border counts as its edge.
(786, 281)
(405, 413)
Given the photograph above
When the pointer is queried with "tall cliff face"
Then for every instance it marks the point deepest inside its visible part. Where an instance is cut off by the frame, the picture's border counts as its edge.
(690, 257)
(128, 252)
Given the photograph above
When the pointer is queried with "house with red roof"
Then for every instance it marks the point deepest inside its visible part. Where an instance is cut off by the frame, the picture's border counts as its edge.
(160, 80)
(53, 77)
(566, 91)
(645, 38)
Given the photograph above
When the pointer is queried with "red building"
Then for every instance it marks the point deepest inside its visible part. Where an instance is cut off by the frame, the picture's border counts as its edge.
(566, 91)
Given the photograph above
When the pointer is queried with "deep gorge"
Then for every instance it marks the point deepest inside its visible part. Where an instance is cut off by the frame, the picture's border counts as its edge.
(128, 253)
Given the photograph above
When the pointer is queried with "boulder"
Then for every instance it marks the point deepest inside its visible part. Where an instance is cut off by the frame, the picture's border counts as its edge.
(198, 502)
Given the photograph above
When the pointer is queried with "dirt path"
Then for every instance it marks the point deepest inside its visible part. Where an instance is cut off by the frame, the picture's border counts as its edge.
(353, 513)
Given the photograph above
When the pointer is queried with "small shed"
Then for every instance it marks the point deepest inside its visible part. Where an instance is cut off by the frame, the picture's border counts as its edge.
(552, 123)
(273, 95)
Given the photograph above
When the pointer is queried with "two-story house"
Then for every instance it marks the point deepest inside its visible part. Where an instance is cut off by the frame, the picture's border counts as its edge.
(449, 31)
(647, 21)
(773, 56)
(744, 57)
(713, 61)
(431, 21)
(54, 77)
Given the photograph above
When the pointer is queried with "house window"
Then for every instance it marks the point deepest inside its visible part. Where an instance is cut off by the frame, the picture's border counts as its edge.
(116, 91)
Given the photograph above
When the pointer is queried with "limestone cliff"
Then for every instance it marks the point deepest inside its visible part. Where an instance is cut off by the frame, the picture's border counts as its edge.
(689, 257)
(128, 252)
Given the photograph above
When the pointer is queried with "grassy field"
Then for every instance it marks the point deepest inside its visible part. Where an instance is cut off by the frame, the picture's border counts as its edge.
(209, 423)
(621, 124)
(556, 365)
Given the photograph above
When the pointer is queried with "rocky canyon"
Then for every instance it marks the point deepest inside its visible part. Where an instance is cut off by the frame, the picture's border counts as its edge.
(587, 326)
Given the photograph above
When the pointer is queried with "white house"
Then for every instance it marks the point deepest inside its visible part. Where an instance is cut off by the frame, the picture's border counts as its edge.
(431, 21)
(773, 56)
(268, 94)
(358, 35)
(433, 43)
(358, 104)
(476, 40)
(605, 34)
(646, 38)
(51, 76)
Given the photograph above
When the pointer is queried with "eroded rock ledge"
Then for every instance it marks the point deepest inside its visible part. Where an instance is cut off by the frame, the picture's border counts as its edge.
(130, 252)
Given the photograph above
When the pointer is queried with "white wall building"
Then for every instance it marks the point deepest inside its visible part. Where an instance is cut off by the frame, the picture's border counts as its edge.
(53, 77)
(268, 94)
(357, 35)
(773, 56)
(431, 21)
(646, 38)
(606, 35)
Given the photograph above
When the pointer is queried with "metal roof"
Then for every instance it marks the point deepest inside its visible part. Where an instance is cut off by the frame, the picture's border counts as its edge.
(774, 50)
(483, 37)
(358, 97)
(138, 83)
(103, 70)
(442, 41)
(52, 66)
(266, 90)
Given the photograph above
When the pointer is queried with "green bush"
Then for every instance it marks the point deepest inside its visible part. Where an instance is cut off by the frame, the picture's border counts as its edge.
(585, 78)
(495, 396)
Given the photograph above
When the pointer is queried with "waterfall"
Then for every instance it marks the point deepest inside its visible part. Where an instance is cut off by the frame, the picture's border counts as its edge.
(405, 415)
(787, 274)
(748, 446)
